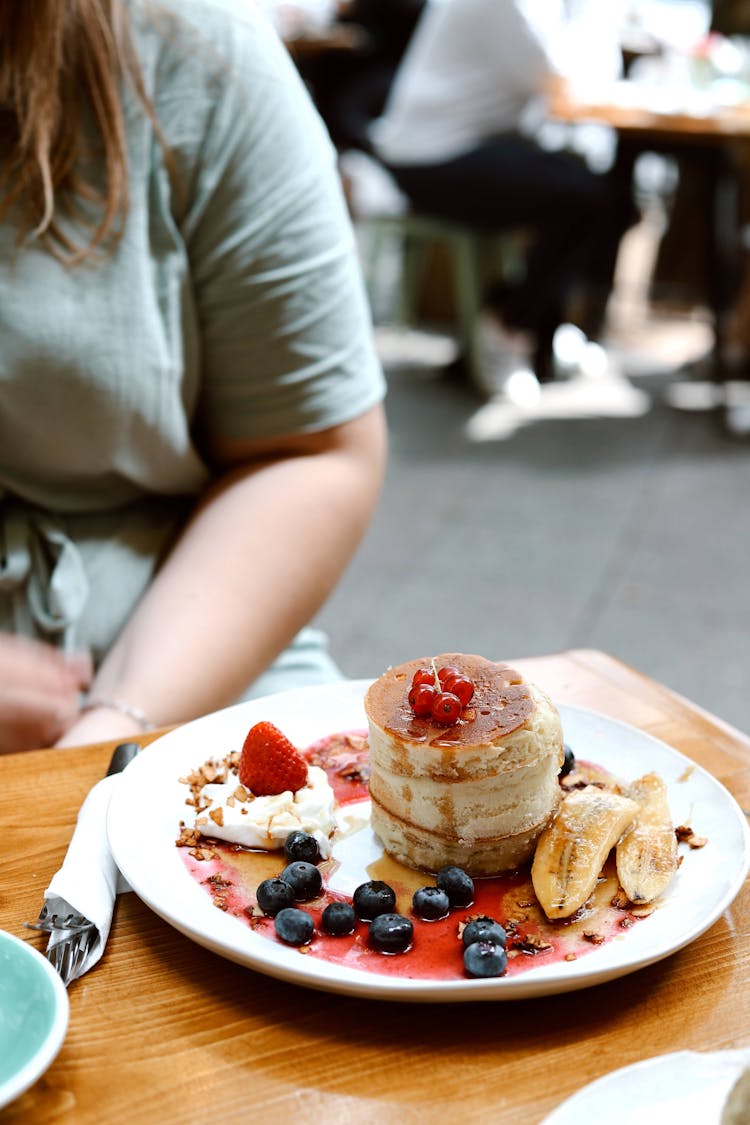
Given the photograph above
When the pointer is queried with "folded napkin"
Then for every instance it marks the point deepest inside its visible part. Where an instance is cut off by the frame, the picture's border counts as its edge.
(89, 881)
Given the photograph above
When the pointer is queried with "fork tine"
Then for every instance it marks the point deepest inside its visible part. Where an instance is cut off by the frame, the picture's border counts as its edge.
(81, 953)
(56, 955)
(50, 923)
(66, 961)
(68, 955)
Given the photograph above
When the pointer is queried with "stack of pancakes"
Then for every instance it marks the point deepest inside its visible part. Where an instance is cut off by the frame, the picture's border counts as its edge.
(476, 793)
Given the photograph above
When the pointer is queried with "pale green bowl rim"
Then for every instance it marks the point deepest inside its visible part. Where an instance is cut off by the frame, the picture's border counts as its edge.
(57, 997)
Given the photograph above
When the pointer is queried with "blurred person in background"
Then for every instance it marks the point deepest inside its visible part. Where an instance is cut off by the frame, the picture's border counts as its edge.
(459, 133)
(352, 89)
(191, 428)
(349, 84)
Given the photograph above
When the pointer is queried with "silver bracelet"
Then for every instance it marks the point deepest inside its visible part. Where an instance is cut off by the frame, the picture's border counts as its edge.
(133, 713)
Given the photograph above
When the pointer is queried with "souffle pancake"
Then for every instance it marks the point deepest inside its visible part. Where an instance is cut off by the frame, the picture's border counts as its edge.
(474, 790)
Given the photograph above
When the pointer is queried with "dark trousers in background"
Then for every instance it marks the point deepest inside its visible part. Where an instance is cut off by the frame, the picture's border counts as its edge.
(576, 218)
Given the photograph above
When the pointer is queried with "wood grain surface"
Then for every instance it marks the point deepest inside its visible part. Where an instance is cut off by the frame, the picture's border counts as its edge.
(629, 111)
(163, 1031)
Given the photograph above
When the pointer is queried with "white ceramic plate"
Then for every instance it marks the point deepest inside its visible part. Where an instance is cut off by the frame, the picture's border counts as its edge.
(33, 1016)
(683, 1087)
(148, 803)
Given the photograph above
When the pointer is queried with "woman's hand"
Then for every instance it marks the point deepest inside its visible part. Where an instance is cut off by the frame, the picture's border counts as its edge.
(39, 692)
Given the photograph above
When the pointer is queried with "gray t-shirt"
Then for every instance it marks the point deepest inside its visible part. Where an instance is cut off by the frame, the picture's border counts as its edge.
(233, 305)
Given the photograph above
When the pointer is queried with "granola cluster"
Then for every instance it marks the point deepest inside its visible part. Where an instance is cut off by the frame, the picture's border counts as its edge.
(209, 773)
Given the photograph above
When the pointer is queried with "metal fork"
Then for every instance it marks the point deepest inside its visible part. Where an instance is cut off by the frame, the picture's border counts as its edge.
(72, 935)
(75, 936)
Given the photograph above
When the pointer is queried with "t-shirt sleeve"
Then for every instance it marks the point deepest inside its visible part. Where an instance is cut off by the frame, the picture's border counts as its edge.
(284, 328)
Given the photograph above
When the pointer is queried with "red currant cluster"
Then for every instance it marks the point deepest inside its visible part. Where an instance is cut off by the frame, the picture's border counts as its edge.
(440, 694)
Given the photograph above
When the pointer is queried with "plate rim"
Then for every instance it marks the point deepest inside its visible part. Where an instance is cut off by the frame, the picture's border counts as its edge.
(739, 1056)
(45, 1054)
(286, 964)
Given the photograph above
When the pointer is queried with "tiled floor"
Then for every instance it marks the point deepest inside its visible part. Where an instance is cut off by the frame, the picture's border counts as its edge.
(604, 518)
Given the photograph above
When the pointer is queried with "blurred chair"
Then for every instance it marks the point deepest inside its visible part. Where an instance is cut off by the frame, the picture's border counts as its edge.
(475, 256)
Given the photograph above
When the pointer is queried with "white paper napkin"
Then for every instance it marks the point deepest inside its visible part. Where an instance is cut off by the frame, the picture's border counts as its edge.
(88, 881)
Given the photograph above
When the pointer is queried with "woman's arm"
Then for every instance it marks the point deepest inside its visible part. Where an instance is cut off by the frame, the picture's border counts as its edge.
(285, 344)
(257, 559)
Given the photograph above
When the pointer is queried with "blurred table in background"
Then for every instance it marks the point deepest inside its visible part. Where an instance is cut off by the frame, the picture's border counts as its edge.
(632, 108)
(712, 133)
(308, 42)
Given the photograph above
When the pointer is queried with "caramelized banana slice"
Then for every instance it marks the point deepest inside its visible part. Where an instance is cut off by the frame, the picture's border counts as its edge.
(647, 853)
(571, 851)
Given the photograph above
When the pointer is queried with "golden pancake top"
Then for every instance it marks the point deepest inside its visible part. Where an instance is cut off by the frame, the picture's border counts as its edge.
(502, 702)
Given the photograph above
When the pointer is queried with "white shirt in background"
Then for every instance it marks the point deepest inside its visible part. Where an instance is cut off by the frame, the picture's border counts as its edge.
(475, 67)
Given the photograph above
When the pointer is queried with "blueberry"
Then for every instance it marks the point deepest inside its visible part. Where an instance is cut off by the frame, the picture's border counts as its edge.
(300, 845)
(458, 886)
(304, 879)
(293, 926)
(273, 895)
(569, 761)
(391, 933)
(430, 903)
(338, 918)
(373, 898)
(485, 930)
(485, 959)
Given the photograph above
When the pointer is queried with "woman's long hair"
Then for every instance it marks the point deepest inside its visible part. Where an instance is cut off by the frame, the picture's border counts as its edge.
(62, 68)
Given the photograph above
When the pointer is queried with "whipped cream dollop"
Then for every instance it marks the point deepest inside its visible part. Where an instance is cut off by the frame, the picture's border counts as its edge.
(228, 811)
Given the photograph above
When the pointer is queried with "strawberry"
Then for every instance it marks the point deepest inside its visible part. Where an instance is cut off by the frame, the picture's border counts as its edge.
(269, 763)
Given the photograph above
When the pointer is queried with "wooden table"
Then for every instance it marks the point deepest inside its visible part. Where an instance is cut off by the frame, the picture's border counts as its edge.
(623, 108)
(712, 137)
(163, 1031)
(346, 38)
